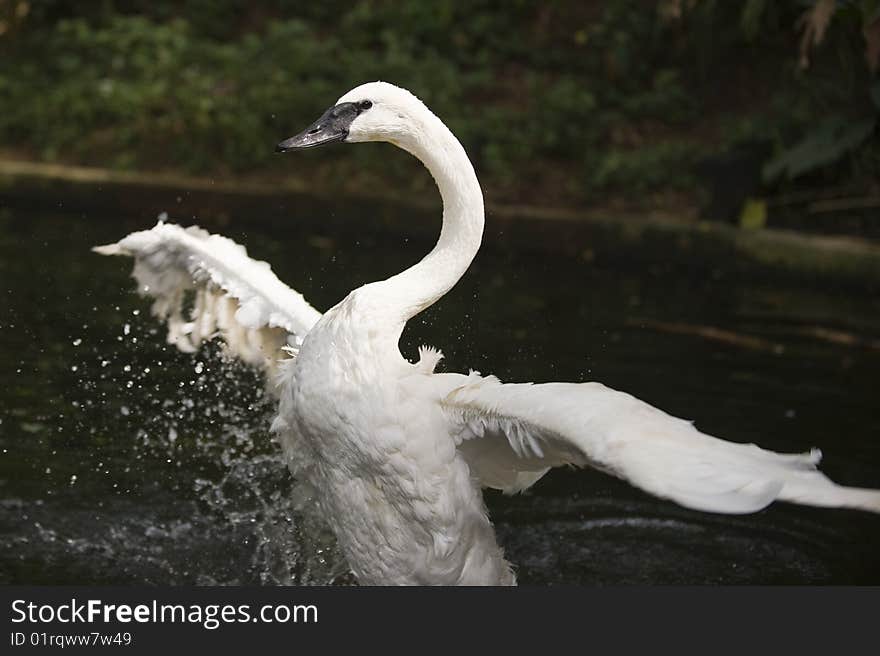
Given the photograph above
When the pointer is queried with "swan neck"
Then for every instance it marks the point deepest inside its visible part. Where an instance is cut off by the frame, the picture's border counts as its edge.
(421, 285)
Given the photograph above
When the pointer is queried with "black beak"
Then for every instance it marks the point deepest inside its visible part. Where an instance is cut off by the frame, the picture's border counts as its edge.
(332, 126)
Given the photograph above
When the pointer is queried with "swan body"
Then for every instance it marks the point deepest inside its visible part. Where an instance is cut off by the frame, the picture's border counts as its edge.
(397, 454)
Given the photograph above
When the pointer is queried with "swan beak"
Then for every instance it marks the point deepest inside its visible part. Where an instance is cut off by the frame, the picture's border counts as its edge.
(332, 126)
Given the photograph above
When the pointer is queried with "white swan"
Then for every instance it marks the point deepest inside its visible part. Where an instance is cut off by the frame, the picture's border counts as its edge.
(396, 453)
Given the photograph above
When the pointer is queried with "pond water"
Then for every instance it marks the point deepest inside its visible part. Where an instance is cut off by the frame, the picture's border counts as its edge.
(123, 461)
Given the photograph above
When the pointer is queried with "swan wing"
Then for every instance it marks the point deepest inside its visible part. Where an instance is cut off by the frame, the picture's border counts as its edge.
(510, 434)
(233, 296)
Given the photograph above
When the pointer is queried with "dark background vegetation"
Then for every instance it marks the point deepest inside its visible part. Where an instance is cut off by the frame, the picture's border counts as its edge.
(694, 106)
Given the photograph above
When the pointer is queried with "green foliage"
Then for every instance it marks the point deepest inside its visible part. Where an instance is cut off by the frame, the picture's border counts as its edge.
(846, 90)
(610, 96)
(647, 168)
(828, 142)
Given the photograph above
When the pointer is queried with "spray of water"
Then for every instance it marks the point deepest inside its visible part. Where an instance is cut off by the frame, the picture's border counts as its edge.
(198, 491)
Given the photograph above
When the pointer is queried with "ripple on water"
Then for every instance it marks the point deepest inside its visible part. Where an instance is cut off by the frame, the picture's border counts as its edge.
(602, 541)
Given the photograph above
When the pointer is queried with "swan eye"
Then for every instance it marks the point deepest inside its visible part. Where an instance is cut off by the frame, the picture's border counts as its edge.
(364, 105)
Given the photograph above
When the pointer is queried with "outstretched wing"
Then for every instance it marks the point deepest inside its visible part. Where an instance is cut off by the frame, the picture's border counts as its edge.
(232, 295)
(511, 433)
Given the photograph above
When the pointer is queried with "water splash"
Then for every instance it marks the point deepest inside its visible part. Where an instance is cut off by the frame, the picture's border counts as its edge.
(189, 431)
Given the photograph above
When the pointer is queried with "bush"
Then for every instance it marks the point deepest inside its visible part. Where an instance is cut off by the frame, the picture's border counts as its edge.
(609, 96)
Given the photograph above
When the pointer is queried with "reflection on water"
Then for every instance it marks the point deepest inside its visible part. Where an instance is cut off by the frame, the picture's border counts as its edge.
(123, 461)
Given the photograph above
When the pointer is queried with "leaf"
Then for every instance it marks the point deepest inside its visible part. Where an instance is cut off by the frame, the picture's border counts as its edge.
(750, 18)
(829, 142)
(754, 214)
(813, 24)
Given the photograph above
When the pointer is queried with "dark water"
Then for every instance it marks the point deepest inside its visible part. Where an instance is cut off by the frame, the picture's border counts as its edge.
(123, 461)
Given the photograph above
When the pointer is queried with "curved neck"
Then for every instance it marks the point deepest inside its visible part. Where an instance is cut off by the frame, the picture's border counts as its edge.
(418, 287)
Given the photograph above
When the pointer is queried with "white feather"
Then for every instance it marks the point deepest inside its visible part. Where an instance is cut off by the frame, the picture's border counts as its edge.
(235, 296)
(588, 424)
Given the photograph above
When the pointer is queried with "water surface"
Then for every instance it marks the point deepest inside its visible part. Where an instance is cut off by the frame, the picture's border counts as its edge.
(124, 461)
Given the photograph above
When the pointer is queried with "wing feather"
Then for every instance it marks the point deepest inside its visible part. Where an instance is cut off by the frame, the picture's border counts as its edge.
(234, 296)
(511, 433)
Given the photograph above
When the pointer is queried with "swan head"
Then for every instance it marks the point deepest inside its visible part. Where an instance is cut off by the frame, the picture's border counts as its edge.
(376, 111)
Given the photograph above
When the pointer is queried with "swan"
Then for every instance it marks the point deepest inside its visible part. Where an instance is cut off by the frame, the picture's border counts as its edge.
(395, 454)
